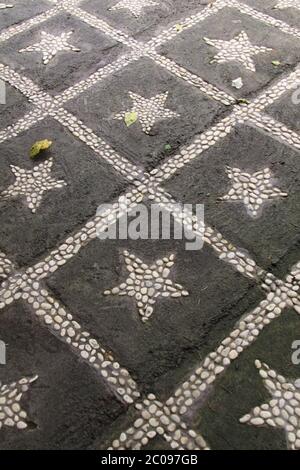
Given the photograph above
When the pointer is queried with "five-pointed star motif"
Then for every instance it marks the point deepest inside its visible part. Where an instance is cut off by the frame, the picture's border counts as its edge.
(147, 283)
(5, 5)
(135, 6)
(253, 189)
(50, 45)
(283, 410)
(11, 413)
(149, 110)
(238, 49)
(288, 4)
(33, 183)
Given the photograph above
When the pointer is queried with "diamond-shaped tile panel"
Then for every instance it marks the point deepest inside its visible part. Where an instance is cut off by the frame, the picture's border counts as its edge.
(60, 52)
(259, 212)
(283, 10)
(142, 19)
(13, 105)
(166, 111)
(21, 10)
(230, 45)
(68, 406)
(223, 409)
(86, 182)
(190, 312)
(286, 110)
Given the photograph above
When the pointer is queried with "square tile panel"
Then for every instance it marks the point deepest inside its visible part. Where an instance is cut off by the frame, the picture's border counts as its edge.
(242, 389)
(141, 18)
(243, 39)
(68, 406)
(168, 112)
(82, 181)
(283, 10)
(155, 348)
(269, 233)
(81, 52)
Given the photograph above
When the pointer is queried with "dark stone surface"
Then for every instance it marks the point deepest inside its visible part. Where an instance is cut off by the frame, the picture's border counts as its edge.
(288, 15)
(99, 105)
(179, 332)
(68, 406)
(218, 420)
(67, 67)
(90, 182)
(191, 51)
(22, 10)
(203, 181)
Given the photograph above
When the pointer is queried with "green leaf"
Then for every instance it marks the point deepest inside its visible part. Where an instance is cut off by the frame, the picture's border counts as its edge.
(276, 63)
(130, 118)
(179, 27)
(39, 146)
(168, 147)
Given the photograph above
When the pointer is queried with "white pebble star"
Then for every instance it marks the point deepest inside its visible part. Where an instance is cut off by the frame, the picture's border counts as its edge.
(50, 45)
(149, 110)
(11, 413)
(238, 49)
(135, 6)
(147, 283)
(32, 184)
(253, 189)
(288, 4)
(283, 410)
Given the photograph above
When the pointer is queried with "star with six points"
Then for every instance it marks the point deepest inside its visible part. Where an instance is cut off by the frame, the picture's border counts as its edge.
(135, 6)
(288, 4)
(238, 49)
(283, 410)
(149, 110)
(11, 413)
(253, 189)
(32, 184)
(146, 283)
(50, 45)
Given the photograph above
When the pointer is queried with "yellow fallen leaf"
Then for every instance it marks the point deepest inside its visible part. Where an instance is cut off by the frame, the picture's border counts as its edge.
(39, 146)
(130, 118)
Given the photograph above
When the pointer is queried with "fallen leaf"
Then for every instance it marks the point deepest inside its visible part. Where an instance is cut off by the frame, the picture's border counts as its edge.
(276, 63)
(39, 146)
(238, 83)
(130, 118)
(243, 101)
(179, 27)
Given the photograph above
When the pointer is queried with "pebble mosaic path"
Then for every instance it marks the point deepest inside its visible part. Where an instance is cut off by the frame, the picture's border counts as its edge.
(142, 344)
